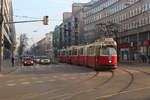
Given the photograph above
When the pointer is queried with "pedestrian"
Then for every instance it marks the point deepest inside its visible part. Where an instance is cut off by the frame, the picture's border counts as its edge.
(149, 58)
(142, 58)
(12, 61)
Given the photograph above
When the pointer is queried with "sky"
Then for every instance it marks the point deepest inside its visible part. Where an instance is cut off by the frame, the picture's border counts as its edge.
(35, 10)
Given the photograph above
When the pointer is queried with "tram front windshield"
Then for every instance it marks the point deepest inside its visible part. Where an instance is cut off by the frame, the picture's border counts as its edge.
(109, 51)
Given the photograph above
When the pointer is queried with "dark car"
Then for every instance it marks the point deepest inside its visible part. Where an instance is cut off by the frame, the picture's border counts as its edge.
(27, 61)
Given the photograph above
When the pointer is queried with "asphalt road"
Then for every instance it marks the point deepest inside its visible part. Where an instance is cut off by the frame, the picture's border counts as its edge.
(71, 82)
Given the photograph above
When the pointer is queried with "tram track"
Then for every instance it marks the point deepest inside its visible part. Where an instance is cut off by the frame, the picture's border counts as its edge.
(147, 73)
(131, 80)
(90, 90)
(125, 89)
(63, 88)
(103, 83)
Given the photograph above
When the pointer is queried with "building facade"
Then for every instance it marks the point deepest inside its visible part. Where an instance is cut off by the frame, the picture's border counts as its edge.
(7, 31)
(134, 18)
(43, 47)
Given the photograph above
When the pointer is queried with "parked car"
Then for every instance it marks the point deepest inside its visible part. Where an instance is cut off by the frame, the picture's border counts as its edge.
(37, 59)
(27, 61)
(44, 60)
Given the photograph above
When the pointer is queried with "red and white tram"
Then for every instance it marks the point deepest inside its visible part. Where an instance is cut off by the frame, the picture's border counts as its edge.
(98, 55)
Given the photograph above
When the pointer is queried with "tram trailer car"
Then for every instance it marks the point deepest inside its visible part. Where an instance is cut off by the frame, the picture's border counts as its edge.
(75, 57)
(62, 57)
(68, 58)
(82, 56)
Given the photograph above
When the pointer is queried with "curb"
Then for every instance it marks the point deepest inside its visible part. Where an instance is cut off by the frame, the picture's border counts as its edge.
(5, 74)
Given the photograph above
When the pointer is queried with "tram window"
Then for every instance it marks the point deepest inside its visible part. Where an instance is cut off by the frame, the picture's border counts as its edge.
(69, 52)
(88, 51)
(75, 52)
(109, 51)
(81, 51)
(63, 53)
(66, 53)
(97, 51)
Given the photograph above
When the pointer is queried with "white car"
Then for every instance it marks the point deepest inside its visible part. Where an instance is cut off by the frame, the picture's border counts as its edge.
(45, 60)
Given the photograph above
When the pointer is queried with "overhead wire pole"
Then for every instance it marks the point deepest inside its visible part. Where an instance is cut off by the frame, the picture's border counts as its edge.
(1, 34)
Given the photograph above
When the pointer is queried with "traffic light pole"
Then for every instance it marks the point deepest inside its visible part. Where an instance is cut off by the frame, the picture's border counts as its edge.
(23, 21)
(1, 34)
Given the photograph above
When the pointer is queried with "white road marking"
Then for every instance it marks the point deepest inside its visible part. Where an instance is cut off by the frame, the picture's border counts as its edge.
(25, 83)
(39, 82)
(52, 80)
(56, 76)
(22, 79)
(72, 78)
(65, 75)
(13, 84)
(34, 78)
(10, 81)
(63, 79)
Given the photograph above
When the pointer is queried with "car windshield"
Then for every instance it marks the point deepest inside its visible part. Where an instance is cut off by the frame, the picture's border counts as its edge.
(27, 59)
(44, 57)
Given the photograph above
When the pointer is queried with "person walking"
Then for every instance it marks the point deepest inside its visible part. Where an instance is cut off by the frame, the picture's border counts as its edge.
(149, 59)
(12, 61)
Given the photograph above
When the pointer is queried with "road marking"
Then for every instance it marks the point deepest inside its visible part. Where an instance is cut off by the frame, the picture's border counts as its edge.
(63, 79)
(34, 78)
(124, 92)
(73, 78)
(56, 76)
(25, 83)
(52, 80)
(22, 79)
(65, 75)
(10, 81)
(39, 82)
(13, 84)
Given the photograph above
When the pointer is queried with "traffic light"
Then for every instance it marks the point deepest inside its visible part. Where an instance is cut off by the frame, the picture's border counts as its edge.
(45, 20)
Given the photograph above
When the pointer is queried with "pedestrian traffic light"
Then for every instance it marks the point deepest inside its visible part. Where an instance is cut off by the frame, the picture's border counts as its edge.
(45, 20)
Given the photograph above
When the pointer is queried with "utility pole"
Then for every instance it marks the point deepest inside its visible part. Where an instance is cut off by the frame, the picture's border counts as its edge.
(1, 34)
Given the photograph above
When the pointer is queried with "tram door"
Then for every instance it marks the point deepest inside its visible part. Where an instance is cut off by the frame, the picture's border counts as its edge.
(97, 55)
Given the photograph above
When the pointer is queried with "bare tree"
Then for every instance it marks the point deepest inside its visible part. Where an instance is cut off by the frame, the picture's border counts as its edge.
(23, 43)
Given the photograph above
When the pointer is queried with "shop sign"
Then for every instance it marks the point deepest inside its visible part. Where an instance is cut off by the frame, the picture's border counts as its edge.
(145, 43)
(124, 45)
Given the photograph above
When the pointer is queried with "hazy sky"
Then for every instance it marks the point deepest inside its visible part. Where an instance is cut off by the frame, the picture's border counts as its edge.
(36, 9)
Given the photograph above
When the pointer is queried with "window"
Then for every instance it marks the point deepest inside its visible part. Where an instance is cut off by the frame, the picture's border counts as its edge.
(109, 51)
(149, 19)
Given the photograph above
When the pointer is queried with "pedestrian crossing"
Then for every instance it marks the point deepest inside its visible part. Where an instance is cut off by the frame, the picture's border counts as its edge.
(43, 79)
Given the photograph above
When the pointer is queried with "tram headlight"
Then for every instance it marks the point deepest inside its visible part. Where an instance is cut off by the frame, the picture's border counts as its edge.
(110, 61)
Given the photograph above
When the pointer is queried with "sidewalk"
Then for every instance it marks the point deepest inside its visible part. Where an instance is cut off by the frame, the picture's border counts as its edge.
(134, 64)
(7, 67)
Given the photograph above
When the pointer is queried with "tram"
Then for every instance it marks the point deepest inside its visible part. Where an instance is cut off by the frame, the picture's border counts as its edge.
(101, 54)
